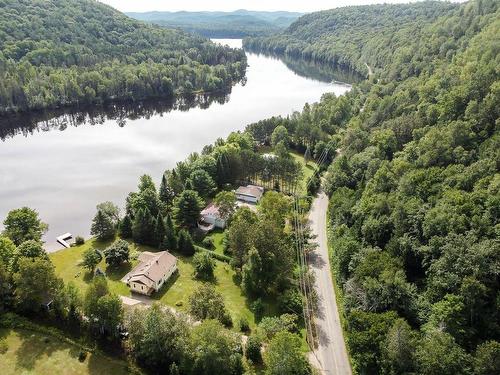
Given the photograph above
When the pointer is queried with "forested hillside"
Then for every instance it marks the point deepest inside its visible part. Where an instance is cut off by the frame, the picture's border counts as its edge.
(237, 24)
(352, 37)
(65, 52)
(415, 194)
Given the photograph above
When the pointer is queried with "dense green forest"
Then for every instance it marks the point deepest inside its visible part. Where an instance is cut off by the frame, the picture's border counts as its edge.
(413, 157)
(57, 53)
(237, 24)
(352, 37)
(415, 189)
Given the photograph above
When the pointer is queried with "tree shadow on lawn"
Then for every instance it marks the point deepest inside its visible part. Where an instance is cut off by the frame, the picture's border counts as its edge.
(4, 332)
(100, 365)
(270, 307)
(34, 346)
(311, 167)
(112, 273)
(118, 272)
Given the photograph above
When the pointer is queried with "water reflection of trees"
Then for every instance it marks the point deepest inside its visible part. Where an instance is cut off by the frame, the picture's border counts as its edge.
(311, 70)
(28, 123)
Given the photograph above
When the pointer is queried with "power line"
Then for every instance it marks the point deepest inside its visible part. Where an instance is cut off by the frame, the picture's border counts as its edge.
(305, 281)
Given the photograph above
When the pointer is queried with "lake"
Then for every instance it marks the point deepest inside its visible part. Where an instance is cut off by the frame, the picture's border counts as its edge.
(63, 164)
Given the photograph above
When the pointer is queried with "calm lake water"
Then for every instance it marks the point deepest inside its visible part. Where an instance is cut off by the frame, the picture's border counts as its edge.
(64, 165)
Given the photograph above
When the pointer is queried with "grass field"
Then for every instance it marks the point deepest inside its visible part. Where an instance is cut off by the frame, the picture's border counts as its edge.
(175, 293)
(217, 236)
(34, 353)
(307, 168)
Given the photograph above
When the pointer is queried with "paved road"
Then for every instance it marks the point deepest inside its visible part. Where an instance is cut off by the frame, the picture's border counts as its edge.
(331, 352)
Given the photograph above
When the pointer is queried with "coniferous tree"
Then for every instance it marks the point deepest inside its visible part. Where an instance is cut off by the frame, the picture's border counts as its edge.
(126, 227)
(187, 209)
(251, 273)
(143, 228)
(103, 226)
(185, 244)
(160, 231)
(170, 240)
(166, 194)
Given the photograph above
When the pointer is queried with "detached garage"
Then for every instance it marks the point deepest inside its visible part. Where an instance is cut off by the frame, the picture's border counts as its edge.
(249, 193)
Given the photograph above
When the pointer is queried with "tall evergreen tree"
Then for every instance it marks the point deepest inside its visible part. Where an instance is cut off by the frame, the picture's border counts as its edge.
(126, 227)
(185, 244)
(166, 193)
(187, 209)
(170, 240)
(143, 228)
(103, 226)
(251, 273)
(160, 231)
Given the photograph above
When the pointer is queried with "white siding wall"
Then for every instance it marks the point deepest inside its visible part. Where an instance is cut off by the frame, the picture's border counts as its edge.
(166, 277)
(140, 288)
(246, 198)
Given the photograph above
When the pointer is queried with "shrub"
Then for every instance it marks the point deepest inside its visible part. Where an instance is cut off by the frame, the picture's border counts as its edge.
(3, 346)
(208, 242)
(203, 265)
(226, 319)
(207, 303)
(197, 234)
(225, 245)
(291, 301)
(244, 325)
(252, 349)
(82, 355)
(313, 184)
(117, 253)
(222, 258)
(257, 308)
(79, 240)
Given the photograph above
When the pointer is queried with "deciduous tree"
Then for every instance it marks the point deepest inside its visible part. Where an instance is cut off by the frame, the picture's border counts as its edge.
(22, 225)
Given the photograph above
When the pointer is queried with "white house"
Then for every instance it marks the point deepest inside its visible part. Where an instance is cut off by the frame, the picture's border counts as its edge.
(152, 272)
(249, 193)
(211, 216)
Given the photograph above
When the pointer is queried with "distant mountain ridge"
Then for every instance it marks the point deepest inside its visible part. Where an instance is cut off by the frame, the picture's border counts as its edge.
(237, 24)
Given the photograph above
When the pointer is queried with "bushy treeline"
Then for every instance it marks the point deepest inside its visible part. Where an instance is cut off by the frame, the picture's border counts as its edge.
(414, 220)
(58, 53)
(351, 37)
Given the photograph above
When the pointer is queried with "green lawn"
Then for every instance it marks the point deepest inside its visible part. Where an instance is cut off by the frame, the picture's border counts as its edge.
(175, 293)
(217, 236)
(34, 353)
(308, 170)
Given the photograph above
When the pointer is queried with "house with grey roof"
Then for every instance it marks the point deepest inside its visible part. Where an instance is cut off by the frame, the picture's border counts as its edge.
(151, 273)
(249, 193)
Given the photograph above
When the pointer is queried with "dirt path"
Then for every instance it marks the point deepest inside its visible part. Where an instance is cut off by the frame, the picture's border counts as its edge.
(331, 352)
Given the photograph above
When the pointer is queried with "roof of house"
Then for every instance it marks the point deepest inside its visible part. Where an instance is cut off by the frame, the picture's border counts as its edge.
(211, 209)
(250, 191)
(152, 267)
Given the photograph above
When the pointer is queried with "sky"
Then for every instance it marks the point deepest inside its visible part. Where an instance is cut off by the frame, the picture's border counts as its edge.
(230, 5)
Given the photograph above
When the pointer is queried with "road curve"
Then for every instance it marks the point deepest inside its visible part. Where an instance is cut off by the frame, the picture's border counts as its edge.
(331, 351)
